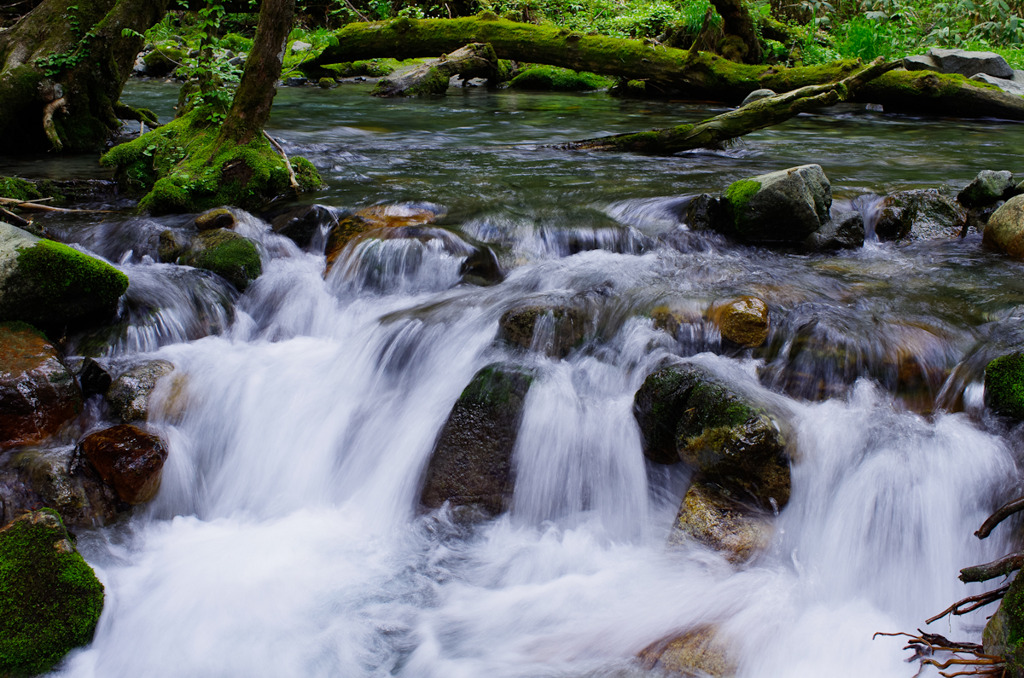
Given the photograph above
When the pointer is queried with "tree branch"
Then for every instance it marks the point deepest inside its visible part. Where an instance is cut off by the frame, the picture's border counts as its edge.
(997, 568)
(1000, 514)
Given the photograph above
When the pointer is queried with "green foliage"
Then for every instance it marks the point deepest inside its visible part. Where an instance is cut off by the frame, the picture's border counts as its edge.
(546, 78)
(1004, 385)
(18, 189)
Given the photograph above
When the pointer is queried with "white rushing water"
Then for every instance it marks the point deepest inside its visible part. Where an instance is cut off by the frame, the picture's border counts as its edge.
(287, 540)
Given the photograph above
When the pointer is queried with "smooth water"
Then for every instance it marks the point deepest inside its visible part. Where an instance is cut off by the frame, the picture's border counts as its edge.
(286, 539)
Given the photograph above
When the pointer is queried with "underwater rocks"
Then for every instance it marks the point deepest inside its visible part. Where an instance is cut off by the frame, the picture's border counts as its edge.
(53, 286)
(552, 330)
(743, 321)
(50, 599)
(471, 465)
(919, 214)
(37, 392)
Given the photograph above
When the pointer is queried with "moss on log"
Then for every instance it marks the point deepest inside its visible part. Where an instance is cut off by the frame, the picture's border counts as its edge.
(665, 71)
(475, 60)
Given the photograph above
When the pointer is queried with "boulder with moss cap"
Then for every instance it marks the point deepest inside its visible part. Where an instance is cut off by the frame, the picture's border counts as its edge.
(1005, 229)
(782, 207)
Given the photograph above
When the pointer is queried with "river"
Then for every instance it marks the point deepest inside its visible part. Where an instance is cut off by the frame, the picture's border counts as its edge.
(287, 539)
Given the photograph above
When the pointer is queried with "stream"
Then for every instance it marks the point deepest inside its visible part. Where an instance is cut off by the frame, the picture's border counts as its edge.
(287, 538)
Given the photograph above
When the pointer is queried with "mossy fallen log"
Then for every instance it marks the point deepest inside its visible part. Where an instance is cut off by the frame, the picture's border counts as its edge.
(664, 71)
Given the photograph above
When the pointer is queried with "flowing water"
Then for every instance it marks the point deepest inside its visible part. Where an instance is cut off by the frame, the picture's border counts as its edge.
(287, 538)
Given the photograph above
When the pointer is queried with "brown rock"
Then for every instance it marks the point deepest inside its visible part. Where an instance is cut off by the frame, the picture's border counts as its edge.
(737, 531)
(1005, 228)
(743, 321)
(37, 392)
(220, 217)
(698, 652)
(375, 217)
(128, 459)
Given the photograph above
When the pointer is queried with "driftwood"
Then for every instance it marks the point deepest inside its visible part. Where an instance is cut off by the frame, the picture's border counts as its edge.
(664, 71)
(34, 205)
(1000, 514)
(756, 115)
(996, 568)
(476, 60)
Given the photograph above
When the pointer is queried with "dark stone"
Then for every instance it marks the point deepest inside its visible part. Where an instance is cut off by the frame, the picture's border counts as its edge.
(129, 394)
(303, 223)
(171, 245)
(93, 378)
(920, 214)
(481, 268)
(220, 217)
(778, 208)
(987, 188)
(553, 330)
(128, 459)
(703, 213)
(471, 465)
(970, 63)
(842, 231)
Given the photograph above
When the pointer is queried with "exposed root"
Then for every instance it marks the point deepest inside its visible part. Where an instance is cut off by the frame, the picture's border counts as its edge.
(287, 163)
(971, 603)
(996, 568)
(48, 126)
(926, 645)
(14, 219)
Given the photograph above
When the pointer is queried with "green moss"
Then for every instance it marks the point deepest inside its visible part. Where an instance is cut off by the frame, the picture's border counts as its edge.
(551, 78)
(1004, 385)
(496, 385)
(50, 599)
(307, 176)
(738, 196)
(18, 189)
(228, 254)
(370, 68)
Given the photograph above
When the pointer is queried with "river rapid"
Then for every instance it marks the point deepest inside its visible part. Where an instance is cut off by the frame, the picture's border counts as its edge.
(287, 538)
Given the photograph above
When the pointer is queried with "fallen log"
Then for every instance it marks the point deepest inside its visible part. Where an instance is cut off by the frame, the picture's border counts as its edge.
(713, 132)
(664, 71)
(476, 60)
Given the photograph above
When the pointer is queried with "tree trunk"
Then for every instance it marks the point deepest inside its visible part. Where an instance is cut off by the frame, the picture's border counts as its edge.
(472, 61)
(740, 43)
(664, 70)
(250, 109)
(62, 69)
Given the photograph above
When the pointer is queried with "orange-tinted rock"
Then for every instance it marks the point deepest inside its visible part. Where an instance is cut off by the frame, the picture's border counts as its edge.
(375, 217)
(37, 392)
(128, 459)
(742, 321)
(698, 652)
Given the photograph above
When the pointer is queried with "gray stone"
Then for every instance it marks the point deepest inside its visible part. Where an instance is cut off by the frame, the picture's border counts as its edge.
(987, 188)
(130, 392)
(920, 62)
(1007, 85)
(298, 47)
(781, 207)
(844, 230)
(757, 95)
(970, 63)
(919, 215)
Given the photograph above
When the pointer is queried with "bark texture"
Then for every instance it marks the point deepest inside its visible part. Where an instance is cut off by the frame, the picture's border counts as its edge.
(740, 43)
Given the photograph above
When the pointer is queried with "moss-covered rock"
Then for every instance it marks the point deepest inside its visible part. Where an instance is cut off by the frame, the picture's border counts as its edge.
(988, 187)
(920, 214)
(37, 392)
(18, 189)
(688, 414)
(53, 286)
(164, 59)
(553, 79)
(57, 479)
(129, 394)
(128, 459)
(50, 599)
(783, 207)
(1004, 385)
(552, 330)
(1005, 229)
(1004, 633)
(228, 254)
(471, 465)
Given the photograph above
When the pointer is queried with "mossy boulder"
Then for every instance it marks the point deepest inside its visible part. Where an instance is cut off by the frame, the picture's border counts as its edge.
(130, 393)
(164, 59)
(1004, 386)
(1005, 229)
(783, 207)
(471, 465)
(128, 459)
(230, 255)
(1004, 633)
(987, 188)
(219, 217)
(743, 321)
(37, 392)
(50, 599)
(919, 215)
(553, 330)
(553, 79)
(697, 652)
(18, 189)
(687, 414)
(56, 478)
(736, 530)
(52, 286)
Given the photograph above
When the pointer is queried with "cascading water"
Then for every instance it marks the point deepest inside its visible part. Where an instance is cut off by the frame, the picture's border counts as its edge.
(287, 538)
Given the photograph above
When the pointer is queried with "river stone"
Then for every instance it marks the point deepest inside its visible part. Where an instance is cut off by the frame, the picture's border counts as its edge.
(376, 217)
(685, 413)
(50, 599)
(696, 653)
(736, 531)
(226, 253)
(742, 321)
(94, 378)
(1004, 385)
(56, 480)
(481, 267)
(1005, 229)
(130, 392)
(552, 330)
(1006, 84)
(920, 62)
(52, 286)
(843, 230)
(969, 63)
(471, 465)
(988, 187)
(920, 214)
(220, 217)
(303, 223)
(703, 212)
(781, 207)
(128, 459)
(757, 95)
(37, 392)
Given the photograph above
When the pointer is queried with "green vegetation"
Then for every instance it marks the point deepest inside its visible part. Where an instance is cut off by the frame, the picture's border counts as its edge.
(1004, 385)
(545, 78)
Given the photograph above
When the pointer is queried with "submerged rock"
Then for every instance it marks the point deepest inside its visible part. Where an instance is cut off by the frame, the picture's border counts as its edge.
(696, 653)
(1005, 229)
(226, 253)
(471, 465)
(50, 599)
(552, 330)
(1004, 386)
(303, 223)
(129, 394)
(783, 207)
(128, 459)
(743, 321)
(736, 530)
(920, 214)
(37, 392)
(52, 286)
(687, 414)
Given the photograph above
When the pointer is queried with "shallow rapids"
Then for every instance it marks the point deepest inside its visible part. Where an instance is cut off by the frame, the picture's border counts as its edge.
(287, 538)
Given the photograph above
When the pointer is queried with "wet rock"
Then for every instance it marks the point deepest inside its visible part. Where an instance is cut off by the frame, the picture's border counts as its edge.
(172, 244)
(226, 253)
(1004, 634)
(552, 330)
(987, 188)
(481, 268)
(128, 459)
(781, 207)
(52, 286)
(757, 95)
(93, 378)
(844, 230)
(163, 60)
(743, 321)
(50, 599)
(303, 223)
(703, 212)
(688, 414)
(1004, 386)
(920, 214)
(37, 392)
(970, 63)
(54, 479)
(736, 530)
(220, 217)
(471, 465)
(129, 394)
(697, 653)
(377, 217)
(1005, 229)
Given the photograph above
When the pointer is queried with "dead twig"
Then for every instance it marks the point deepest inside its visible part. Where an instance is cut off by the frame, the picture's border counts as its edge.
(28, 205)
(996, 568)
(291, 172)
(971, 603)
